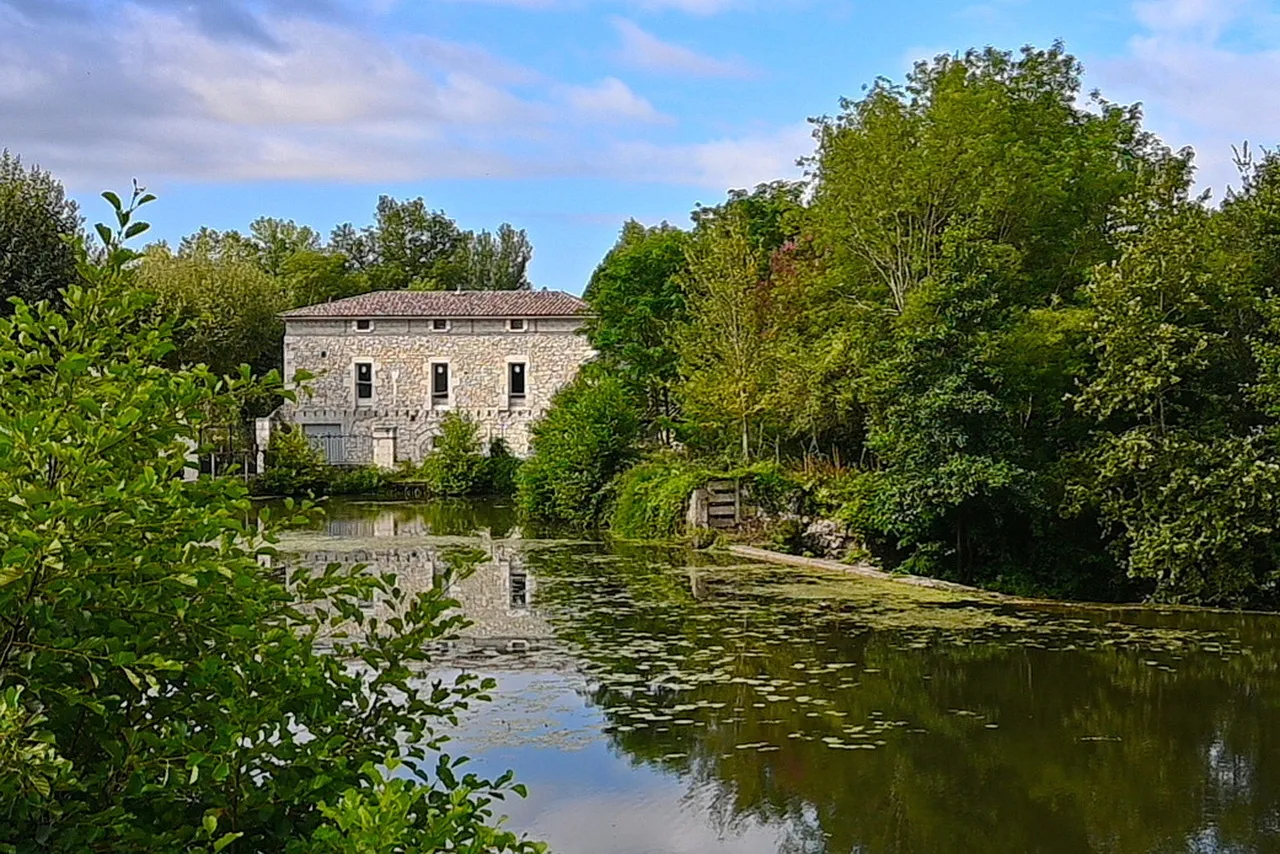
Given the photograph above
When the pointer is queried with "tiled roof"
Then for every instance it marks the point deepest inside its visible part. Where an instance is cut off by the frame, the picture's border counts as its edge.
(447, 304)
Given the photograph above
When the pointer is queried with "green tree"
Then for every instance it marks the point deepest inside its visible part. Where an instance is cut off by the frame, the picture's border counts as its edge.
(960, 216)
(637, 299)
(1185, 469)
(226, 307)
(497, 262)
(725, 360)
(590, 434)
(279, 240)
(455, 465)
(164, 690)
(35, 219)
(312, 276)
(408, 246)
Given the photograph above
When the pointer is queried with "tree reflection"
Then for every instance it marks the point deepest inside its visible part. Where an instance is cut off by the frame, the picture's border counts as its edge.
(1044, 731)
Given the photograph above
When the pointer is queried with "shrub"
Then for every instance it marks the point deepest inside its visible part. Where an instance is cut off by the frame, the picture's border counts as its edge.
(294, 467)
(653, 498)
(589, 435)
(502, 469)
(162, 690)
(455, 466)
(356, 481)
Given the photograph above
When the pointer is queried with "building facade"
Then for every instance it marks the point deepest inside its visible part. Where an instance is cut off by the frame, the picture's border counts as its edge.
(388, 366)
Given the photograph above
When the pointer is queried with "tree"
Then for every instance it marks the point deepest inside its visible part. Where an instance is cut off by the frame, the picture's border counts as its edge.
(725, 362)
(311, 276)
(165, 689)
(959, 217)
(36, 218)
(497, 263)
(589, 435)
(409, 246)
(637, 299)
(1185, 469)
(279, 240)
(226, 307)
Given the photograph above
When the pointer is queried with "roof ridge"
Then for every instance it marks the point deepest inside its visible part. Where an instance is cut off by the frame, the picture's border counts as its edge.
(487, 303)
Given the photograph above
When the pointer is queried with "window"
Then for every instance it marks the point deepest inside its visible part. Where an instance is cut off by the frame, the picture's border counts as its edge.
(516, 324)
(364, 381)
(519, 581)
(440, 384)
(517, 374)
(364, 325)
(439, 324)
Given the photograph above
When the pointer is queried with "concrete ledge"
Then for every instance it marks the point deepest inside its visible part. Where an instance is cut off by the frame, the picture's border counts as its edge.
(861, 569)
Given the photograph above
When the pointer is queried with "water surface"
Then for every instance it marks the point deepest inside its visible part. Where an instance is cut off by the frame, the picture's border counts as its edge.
(659, 700)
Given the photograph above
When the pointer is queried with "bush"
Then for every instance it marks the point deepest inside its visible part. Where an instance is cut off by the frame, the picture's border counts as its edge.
(356, 481)
(502, 468)
(590, 434)
(294, 467)
(455, 467)
(162, 690)
(653, 498)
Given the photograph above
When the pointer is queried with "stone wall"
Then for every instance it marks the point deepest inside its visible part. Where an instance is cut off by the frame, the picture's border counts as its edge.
(402, 353)
(498, 597)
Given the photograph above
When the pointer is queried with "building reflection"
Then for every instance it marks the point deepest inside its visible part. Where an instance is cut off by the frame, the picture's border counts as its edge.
(498, 596)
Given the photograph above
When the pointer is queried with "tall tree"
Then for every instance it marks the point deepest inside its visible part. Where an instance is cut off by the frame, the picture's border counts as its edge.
(226, 308)
(497, 262)
(35, 219)
(1185, 468)
(278, 240)
(960, 216)
(408, 246)
(726, 363)
(637, 299)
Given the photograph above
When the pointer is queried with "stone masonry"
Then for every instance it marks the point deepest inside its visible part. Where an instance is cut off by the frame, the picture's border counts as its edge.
(373, 358)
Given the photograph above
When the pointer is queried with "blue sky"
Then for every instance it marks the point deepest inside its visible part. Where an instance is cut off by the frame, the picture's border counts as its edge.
(562, 117)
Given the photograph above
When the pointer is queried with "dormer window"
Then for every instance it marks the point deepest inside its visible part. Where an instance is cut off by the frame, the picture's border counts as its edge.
(439, 324)
(516, 324)
(364, 325)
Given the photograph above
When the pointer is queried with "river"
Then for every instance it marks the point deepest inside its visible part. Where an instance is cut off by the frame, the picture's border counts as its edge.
(658, 700)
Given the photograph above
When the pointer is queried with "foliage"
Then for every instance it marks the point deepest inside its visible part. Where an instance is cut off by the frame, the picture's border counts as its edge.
(411, 246)
(637, 297)
(36, 219)
(293, 465)
(360, 480)
(1184, 470)
(590, 434)
(455, 466)
(497, 262)
(160, 688)
(502, 468)
(312, 277)
(226, 308)
(653, 496)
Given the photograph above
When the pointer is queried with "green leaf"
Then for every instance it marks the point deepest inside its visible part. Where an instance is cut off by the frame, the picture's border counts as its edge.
(226, 840)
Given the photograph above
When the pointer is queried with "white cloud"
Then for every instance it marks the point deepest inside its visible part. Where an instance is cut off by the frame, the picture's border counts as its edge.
(612, 100)
(718, 164)
(1207, 17)
(155, 93)
(1195, 87)
(643, 49)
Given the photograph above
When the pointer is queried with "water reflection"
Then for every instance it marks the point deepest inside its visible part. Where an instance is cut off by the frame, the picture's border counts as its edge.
(660, 701)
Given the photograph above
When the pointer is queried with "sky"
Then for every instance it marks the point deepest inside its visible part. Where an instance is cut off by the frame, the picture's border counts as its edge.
(561, 117)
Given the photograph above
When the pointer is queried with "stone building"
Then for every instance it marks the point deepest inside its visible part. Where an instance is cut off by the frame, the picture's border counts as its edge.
(388, 366)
